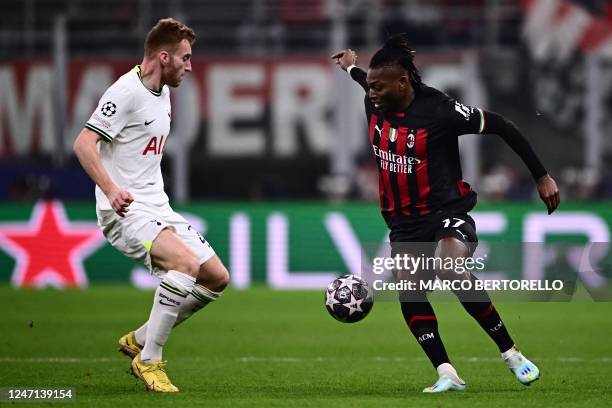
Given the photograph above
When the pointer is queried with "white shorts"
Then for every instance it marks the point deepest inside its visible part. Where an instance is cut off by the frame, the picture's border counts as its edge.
(133, 235)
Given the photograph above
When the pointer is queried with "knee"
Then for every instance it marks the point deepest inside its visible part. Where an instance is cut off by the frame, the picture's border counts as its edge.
(216, 280)
(222, 280)
(451, 248)
(452, 273)
(448, 253)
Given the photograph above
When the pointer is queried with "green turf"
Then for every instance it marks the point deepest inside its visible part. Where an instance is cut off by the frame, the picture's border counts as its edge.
(267, 348)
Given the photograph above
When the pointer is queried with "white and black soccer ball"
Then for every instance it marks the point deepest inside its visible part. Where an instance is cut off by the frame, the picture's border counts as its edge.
(348, 299)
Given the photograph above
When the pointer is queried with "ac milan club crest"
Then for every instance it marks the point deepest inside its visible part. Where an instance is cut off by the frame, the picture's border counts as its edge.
(410, 140)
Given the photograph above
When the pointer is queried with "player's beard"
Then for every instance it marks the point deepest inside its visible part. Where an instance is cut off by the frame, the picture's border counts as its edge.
(390, 105)
(381, 107)
(173, 76)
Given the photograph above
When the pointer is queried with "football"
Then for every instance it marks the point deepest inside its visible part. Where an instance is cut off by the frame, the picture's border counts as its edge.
(348, 299)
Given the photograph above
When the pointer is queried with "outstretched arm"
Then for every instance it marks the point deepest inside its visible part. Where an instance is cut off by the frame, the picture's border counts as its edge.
(547, 187)
(347, 59)
(86, 151)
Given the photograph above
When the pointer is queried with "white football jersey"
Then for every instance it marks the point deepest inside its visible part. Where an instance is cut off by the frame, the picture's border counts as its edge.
(134, 123)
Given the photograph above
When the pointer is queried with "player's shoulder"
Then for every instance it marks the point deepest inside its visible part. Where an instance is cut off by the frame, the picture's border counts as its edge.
(428, 100)
(118, 98)
(439, 103)
(432, 96)
(124, 86)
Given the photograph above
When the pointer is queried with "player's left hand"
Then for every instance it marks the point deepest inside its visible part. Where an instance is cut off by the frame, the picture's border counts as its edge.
(549, 192)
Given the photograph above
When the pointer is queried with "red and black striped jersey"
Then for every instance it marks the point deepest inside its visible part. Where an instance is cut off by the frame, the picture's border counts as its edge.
(417, 153)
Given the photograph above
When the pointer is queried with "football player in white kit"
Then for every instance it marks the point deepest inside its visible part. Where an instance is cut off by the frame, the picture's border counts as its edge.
(121, 149)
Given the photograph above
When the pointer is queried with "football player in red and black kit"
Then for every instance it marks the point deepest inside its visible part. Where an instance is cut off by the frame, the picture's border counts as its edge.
(413, 132)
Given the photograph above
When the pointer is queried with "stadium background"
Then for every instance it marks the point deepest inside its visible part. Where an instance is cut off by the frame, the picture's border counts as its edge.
(267, 154)
(266, 119)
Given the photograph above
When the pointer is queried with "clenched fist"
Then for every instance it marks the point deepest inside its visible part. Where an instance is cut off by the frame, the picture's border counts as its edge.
(345, 58)
(120, 200)
(549, 192)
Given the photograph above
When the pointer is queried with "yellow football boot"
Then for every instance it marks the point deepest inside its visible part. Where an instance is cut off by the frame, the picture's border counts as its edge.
(153, 375)
(128, 345)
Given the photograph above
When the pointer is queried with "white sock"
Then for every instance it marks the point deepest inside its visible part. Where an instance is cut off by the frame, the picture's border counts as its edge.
(513, 357)
(199, 297)
(510, 352)
(448, 370)
(170, 295)
(141, 334)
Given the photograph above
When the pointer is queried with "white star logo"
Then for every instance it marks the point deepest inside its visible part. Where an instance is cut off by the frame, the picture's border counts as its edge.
(330, 299)
(354, 305)
(346, 282)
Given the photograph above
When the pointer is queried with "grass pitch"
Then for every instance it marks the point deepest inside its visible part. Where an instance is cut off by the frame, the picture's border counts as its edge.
(266, 348)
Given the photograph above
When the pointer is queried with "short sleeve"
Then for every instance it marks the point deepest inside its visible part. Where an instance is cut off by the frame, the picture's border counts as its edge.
(111, 114)
(461, 119)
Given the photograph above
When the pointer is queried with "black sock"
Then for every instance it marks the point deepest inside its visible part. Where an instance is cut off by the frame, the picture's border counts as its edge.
(421, 319)
(487, 317)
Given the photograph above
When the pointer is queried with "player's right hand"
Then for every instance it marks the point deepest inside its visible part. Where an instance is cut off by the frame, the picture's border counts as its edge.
(120, 200)
(345, 58)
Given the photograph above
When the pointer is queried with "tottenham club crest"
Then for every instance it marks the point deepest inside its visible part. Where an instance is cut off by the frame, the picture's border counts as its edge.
(108, 109)
(410, 140)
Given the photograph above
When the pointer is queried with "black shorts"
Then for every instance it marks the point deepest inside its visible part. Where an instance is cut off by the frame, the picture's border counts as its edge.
(420, 237)
(435, 226)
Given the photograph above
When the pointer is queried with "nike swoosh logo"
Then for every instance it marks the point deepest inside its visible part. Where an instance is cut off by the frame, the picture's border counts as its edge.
(149, 122)
(161, 302)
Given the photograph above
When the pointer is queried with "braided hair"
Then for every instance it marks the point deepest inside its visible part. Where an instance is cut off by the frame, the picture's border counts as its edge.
(397, 51)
